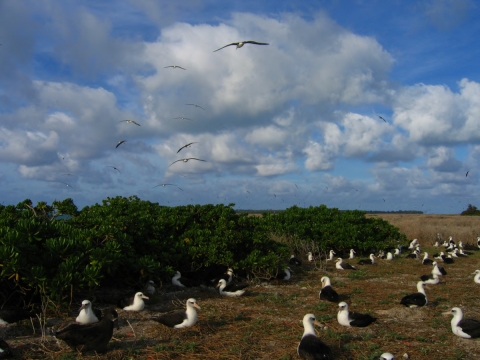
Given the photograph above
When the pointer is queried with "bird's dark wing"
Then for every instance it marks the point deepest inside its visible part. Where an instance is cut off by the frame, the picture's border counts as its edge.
(120, 143)
(196, 159)
(175, 162)
(235, 287)
(417, 299)
(15, 314)
(6, 352)
(181, 68)
(312, 348)
(254, 42)
(172, 318)
(471, 327)
(234, 43)
(327, 293)
(360, 320)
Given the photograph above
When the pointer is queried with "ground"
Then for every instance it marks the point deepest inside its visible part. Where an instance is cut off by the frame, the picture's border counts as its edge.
(266, 323)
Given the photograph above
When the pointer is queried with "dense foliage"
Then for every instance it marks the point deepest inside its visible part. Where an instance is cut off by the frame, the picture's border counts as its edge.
(128, 240)
(471, 210)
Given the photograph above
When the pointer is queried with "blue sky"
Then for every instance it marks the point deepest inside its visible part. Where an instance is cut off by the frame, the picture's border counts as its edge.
(294, 122)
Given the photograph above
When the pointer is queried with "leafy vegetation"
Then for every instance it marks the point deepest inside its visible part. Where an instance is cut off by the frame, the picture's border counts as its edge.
(58, 250)
(471, 210)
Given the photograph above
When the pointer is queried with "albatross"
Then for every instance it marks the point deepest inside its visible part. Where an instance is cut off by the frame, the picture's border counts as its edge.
(91, 337)
(180, 319)
(133, 304)
(416, 299)
(311, 347)
(241, 43)
(130, 122)
(182, 282)
(476, 278)
(340, 265)
(327, 292)
(186, 146)
(185, 160)
(231, 290)
(465, 328)
(174, 66)
(13, 315)
(346, 318)
(369, 261)
(88, 314)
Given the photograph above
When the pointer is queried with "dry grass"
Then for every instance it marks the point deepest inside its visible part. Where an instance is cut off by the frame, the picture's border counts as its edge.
(266, 324)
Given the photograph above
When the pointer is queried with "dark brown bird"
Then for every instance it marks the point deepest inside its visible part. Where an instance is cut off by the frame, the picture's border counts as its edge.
(183, 118)
(68, 185)
(120, 143)
(12, 315)
(241, 43)
(467, 173)
(92, 337)
(175, 67)
(185, 160)
(130, 122)
(114, 168)
(198, 106)
(186, 146)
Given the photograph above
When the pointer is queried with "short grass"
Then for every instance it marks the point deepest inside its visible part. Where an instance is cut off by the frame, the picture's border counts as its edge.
(266, 324)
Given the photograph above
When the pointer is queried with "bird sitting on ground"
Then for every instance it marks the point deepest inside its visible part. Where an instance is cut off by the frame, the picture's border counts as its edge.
(294, 261)
(88, 314)
(231, 290)
(369, 261)
(340, 265)
(346, 318)
(180, 318)
(91, 337)
(416, 299)
(327, 292)
(135, 303)
(465, 328)
(311, 347)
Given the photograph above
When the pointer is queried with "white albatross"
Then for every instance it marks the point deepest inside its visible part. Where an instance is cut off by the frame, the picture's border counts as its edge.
(311, 347)
(465, 328)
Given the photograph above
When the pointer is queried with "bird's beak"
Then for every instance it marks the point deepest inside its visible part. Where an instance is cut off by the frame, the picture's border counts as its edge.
(144, 297)
(318, 323)
(82, 307)
(218, 285)
(198, 307)
(449, 312)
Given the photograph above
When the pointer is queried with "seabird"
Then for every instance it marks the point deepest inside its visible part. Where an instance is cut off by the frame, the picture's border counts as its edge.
(174, 66)
(241, 43)
(311, 347)
(387, 356)
(417, 299)
(430, 279)
(88, 314)
(182, 118)
(340, 265)
(389, 256)
(465, 328)
(369, 261)
(185, 160)
(327, 292)
(382, 118)
(133, 304)
(227, 276)
(352, 254)
(476, 278)
(413, 243)
(294, 261)
(440, 271)
(114, 168)
(198, 106)
(231, 290)
(467, 173)
(426, 260)
(413, 255)
(149, 287)
(164, 185)
(310, 256)
(180, 319)
(346, 318)
(5, 351)
(284, 274)
(120, 143)
(91, 337)
(184, 282)
(130, 122)
(68, 185)
(186, 146)
(13, 315)
(330, 255)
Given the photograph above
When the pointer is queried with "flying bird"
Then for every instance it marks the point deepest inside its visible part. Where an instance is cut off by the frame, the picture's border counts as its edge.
(130, 122)
(196, 106)
(120, 143)
(183, 118)
(166, 185)
(114, 168)
(68, 185)
(185, 160)
(186, 146)
(467, 173)
(241, 43)
(175, 67)
(382, 118)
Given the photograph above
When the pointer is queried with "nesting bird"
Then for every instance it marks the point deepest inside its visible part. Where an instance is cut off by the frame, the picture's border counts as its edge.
(430, 279)
(346, 318)
(416, 299)
(177, 280)
(285, 274)
(465, 328)
(352, 254)
(88, 314)
(91, 337)
(133, 304)
(340, 265)
(310, 256)
(181, 318)
(440, 271)
(13, 315)
(426, 260)
(327, 292)
(387, 356)
(294, 261)
(231, 290)
(310, 346)
(476, 278)
(369, 261)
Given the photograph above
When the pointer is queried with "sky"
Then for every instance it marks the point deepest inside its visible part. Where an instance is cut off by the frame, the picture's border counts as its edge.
(355, 104)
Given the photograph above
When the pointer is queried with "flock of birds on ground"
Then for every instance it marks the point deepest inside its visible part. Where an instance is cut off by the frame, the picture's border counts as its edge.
(92, 330)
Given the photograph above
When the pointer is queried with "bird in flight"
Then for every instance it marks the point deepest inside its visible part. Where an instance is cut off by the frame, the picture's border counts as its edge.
(68, 185)
(183, 118)
(241, 43)
(382, 118)
(185, 160)
(467, 173)
(175, 67)
(120, 143)
(196, 106)
(186, 146)
(166, 185)
(67, 174)
(114, 168)
(130, 122)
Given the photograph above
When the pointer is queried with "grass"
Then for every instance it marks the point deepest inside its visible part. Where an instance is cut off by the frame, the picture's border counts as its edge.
(266, 324)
